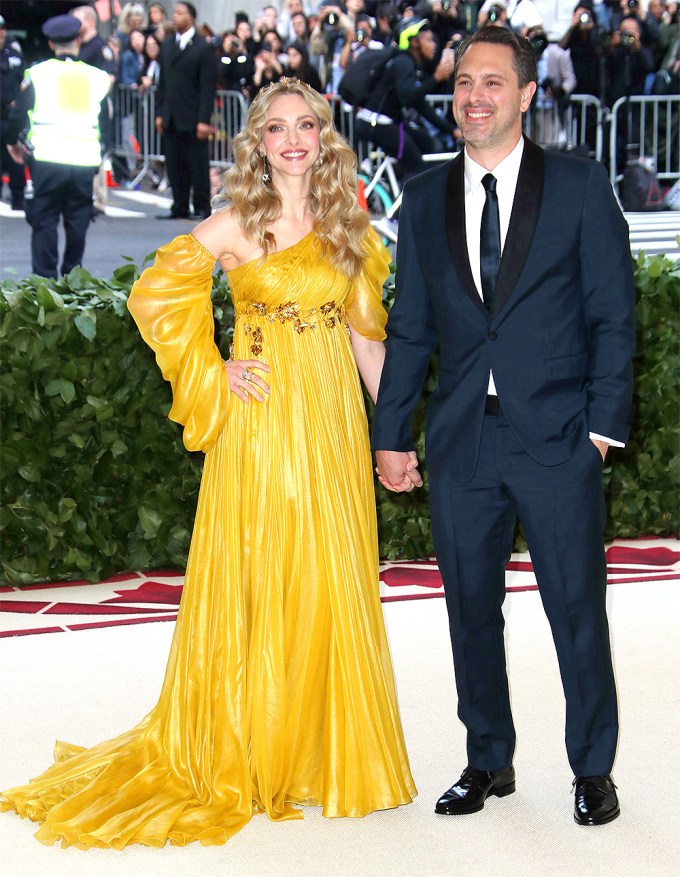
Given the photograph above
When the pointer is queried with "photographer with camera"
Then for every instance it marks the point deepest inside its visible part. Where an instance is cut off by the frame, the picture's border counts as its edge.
(268, 67)
(584, 42)
(448, 20)
(629, 61)
(394, 114)
(327, 40)
(556, 81)
(494, 15)
(519, 15)
(628, 65)
(236, 67)
(358, 41)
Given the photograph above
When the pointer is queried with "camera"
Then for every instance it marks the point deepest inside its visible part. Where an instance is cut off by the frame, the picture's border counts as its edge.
(585, 18)
(265, 46)
(446, 5)
(628, 40)
(495, 13)
(234, 46)
(361, 35)
(633, 4)
(539, 43)
(331, 21)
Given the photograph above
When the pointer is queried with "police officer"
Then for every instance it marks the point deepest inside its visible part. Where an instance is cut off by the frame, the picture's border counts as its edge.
(61, 98)
(11, 74)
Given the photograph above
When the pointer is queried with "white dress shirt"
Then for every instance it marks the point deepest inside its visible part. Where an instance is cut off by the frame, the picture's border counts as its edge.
(506, 174)
(186, 37)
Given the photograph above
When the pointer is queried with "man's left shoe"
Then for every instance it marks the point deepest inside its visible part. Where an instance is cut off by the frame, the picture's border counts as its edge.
(202, 214)
(595, 800)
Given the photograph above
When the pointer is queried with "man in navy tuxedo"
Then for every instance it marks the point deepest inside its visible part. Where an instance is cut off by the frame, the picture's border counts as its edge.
(516, 262)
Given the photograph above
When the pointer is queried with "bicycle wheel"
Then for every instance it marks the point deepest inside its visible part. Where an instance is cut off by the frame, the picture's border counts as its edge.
(379, 201)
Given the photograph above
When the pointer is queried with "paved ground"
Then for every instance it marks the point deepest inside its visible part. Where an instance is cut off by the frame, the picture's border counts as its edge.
(128, 229)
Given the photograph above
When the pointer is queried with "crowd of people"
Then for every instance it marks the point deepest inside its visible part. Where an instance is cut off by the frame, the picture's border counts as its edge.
(404, 51)
(611, 49)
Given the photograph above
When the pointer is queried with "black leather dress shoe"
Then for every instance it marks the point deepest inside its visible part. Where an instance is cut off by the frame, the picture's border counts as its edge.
(173, 216)
(595, 800)
(203, 214)
(473, 788)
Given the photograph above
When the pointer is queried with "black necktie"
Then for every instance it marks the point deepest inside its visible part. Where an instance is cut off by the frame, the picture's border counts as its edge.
(489, 240)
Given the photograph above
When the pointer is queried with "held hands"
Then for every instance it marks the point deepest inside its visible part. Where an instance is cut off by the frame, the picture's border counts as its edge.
(243, 381)
(398, 470)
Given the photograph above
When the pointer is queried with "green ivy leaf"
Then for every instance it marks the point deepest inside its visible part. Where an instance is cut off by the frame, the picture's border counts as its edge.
(86, 323)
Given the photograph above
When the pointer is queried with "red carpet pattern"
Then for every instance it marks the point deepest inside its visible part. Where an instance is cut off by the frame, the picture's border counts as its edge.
(137, 598)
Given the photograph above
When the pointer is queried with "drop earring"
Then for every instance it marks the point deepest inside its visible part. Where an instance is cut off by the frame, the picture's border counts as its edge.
(266, 176)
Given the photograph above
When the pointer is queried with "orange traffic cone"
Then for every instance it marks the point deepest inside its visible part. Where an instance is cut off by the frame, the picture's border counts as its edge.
(361, 194)
(108, 175)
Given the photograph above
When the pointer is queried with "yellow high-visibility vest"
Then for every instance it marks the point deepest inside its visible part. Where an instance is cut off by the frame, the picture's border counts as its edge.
(65, 114)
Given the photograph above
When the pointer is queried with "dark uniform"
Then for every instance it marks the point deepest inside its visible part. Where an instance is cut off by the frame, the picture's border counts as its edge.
(96, 53)
(60, 98)
(11, 74)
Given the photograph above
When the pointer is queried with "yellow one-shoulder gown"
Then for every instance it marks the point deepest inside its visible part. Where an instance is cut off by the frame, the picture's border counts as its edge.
(279, 688)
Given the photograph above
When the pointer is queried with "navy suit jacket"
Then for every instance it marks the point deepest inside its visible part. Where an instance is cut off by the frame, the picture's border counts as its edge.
(560, 336)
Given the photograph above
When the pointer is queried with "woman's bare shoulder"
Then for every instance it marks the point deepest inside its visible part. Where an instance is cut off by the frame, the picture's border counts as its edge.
(220, 233)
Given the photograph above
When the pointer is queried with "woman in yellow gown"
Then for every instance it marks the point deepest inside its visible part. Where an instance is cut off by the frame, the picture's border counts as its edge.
(279, 688)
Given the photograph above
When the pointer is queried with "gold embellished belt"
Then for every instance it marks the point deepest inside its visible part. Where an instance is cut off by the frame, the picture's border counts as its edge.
(329, 314)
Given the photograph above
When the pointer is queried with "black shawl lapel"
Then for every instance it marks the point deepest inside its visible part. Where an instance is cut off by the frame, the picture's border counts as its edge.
(523, 219)
(455, 229)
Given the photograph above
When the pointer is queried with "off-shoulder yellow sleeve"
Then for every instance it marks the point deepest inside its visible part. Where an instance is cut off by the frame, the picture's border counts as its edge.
(171, 305)
(364, 307)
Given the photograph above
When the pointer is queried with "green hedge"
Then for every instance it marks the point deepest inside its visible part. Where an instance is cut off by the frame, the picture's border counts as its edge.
(95, 479)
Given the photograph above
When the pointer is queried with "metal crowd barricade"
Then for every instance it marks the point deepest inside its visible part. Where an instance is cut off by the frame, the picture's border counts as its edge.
(229, 116)
(343, 116)
(137, 142)
(568, 124)
(646, 127)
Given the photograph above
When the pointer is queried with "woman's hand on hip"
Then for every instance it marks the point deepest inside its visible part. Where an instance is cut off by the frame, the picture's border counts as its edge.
(243, 381)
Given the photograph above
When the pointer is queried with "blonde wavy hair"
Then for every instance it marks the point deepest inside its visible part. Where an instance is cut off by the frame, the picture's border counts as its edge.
(339, 222)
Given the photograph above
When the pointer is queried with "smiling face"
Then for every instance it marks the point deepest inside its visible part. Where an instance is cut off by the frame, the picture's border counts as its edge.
(488, 102)
(137, 41)
(152, 48)
(290, 137)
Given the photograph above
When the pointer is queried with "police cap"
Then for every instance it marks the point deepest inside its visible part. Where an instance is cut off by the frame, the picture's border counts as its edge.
(61, 28)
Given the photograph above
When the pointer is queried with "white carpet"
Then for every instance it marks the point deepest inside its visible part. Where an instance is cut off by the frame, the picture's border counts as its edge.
(92, 684)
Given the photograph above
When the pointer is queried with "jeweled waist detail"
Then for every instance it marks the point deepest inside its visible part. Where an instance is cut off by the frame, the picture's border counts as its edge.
(329, 314)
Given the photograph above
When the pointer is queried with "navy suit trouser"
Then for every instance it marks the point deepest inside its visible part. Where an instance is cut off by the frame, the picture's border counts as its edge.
(562, 512)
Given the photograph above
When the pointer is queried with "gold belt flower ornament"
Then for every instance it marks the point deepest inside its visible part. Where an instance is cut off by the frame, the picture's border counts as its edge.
(329, 314)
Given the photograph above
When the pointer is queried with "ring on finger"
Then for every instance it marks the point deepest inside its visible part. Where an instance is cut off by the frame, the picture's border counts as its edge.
(246, 374)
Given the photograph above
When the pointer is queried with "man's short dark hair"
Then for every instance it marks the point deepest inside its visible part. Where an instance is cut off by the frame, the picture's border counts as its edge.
(523, 56)
(191, 9)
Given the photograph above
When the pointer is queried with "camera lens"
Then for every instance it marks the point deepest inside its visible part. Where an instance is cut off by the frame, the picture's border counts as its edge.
(584, 18)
